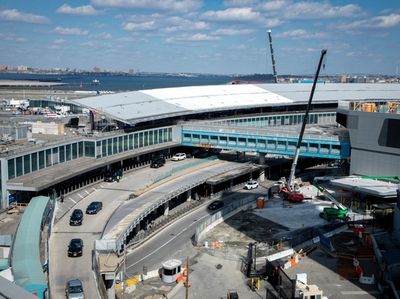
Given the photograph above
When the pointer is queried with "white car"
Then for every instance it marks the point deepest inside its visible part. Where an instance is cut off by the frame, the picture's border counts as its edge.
(251, 185)
(178, 157)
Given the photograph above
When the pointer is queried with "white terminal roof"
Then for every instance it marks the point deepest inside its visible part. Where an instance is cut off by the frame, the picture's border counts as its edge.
(367, 186)
(143, 105)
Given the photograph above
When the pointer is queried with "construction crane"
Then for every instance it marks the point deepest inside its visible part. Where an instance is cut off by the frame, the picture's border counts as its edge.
(272, 57)
(288, 190)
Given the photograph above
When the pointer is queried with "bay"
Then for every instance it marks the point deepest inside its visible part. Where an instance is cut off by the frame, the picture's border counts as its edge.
(117, 83)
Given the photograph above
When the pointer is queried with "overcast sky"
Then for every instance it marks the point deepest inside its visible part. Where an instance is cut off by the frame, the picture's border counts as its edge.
(202, 36)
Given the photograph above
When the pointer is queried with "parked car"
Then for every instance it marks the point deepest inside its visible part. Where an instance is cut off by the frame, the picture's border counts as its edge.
(74, 289)
(76, 217)
(215, 205)
(251, 185)
(94, 207)
(75, 247)
(157, 162)
(178, 157)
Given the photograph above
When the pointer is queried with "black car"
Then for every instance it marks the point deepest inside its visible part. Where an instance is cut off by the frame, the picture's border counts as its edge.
(75, 247)
(158, 162)
(215, 205)
(109, 178)
(94, 207)
(76, 217)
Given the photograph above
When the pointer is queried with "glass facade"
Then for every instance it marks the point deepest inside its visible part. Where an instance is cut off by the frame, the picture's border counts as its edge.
(280, 120)
(97, 149)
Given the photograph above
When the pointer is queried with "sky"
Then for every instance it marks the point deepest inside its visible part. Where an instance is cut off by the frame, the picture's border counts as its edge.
(203, 36)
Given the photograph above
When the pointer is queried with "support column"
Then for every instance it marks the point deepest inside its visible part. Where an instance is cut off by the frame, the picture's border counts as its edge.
(166, 209)
(261, 158)
(136, 229)
(189, 195)
(109, 282)
(262, 175)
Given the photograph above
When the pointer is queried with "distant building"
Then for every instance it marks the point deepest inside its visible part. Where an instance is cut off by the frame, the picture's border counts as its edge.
(22, 68)
(3, 67)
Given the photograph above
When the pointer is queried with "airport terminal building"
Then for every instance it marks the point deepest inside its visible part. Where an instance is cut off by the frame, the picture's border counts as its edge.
(149, 122)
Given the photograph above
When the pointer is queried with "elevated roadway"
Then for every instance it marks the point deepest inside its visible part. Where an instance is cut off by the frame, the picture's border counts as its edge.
(114, 197)
(128, 217)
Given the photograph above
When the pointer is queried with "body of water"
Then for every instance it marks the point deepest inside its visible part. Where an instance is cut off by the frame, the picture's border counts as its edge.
(118, 82)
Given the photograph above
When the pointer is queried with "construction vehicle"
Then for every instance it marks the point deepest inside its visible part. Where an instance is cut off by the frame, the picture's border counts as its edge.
(290, 190)
(337, 211)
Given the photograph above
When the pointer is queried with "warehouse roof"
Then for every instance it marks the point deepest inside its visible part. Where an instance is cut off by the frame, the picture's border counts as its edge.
(136, 106)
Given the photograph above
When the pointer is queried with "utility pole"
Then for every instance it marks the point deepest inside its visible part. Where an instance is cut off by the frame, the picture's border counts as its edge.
(272, 57)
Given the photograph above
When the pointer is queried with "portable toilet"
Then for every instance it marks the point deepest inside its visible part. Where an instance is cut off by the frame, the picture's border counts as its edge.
(171, 269)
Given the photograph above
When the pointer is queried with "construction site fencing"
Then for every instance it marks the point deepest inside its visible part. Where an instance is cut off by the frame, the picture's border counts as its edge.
(303, 236)
(225, 213)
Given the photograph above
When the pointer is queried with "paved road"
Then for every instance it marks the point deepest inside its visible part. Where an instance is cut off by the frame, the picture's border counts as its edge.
(113, 195)
(63, 268)
(146, 200)
(175, 240)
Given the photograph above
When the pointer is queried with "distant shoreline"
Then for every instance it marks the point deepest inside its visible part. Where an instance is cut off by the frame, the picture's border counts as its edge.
(27, 83)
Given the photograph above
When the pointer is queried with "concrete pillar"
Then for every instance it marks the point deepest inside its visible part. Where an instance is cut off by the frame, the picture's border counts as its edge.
(262, 175)
(212, 190)
(238, 156)
(110, 284)
(189, 195)
(166, 209)
(136, 229)
(231, 183)
(261, 158)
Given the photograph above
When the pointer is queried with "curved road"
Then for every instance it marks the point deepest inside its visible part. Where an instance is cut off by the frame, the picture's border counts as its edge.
(113, 195)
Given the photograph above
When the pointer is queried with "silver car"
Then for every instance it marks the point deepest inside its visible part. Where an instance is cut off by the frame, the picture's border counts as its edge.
(74, 289)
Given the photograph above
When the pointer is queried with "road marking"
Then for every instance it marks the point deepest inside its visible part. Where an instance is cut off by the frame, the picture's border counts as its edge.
(80, 195)
(101, 186)
(87, 192)
(169, 241)
(72, 200)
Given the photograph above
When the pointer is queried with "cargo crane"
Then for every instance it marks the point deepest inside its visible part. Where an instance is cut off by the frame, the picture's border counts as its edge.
(272, 57)
(289, 190)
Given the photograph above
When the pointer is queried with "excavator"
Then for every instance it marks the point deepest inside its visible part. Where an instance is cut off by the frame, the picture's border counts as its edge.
(289, 189)
(337, 211)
